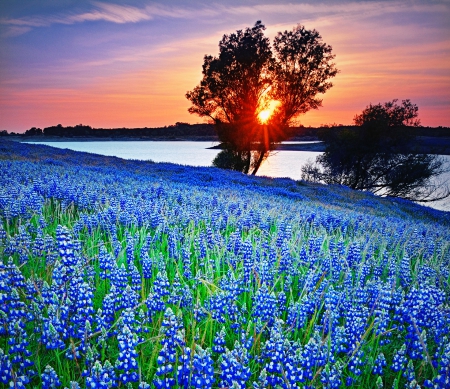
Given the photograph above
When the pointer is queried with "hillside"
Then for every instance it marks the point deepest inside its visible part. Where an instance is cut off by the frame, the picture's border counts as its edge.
(162, 275)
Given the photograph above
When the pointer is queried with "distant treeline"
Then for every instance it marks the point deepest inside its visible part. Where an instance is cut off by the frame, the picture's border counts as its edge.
(180, 129)
(80, 130)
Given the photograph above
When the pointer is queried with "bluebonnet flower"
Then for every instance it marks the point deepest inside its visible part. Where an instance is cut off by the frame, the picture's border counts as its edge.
(219, 342)
(443, 378)
(186, 258)
(126, 362)
(365, 272)
(154, 304)
(186, 298)
(20, 355)
(161, 286)
(66, 249)
(202, 369)
(2, 234)
(82, 300)
(336, 266)
(176, 292)
(286, 259)
(399, 361)
(117, 246)
(184, 368)
(262, 382)
(146, 265)
(265, 305)
(201, 248)
(354, 255)
(409, 373)
(331, 376)
(222, 305)
(101, 377)
(300, 311)
(281, 301)
(170, 327)
(105, 260)
(234, 368)
(129, 298)
(420, 308)
(338, 340)
(312, 356)
(53, 329)
(172, 243)
(119, 277)
(16, 279)
(405, 271)
(356, 362)
(5, 368)
(355, 325)
(275, 351)
(13, 308)
(50, 379)
(266, 272)
(110, 305)
(199, 312)
(414, 342)
(247, 255)
(130, 249)
(164, 372)
(330, 318)
(379, 364)
(234, 243)
(38, 246)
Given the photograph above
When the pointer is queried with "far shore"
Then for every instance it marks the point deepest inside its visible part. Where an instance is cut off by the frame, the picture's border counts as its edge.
(425, 145)
(19, 138)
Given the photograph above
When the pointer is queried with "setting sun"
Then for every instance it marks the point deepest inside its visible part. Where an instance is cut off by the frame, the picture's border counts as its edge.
(265, 114)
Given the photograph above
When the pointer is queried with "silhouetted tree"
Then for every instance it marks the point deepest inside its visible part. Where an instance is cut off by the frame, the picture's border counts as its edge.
(33, 131)
(248, 77)
(378, 156)
(389, 114)
(3, 133)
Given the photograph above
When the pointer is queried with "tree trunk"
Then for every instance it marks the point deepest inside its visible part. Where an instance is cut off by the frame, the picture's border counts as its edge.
(249, 160)
(258, 162)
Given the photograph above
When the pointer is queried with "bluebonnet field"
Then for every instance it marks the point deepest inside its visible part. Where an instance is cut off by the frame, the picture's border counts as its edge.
(123, 274)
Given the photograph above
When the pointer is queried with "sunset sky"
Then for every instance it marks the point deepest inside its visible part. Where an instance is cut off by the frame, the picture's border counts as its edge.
(130, 63)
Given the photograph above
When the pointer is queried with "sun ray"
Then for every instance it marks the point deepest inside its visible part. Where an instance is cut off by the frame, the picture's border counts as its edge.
(265, 114)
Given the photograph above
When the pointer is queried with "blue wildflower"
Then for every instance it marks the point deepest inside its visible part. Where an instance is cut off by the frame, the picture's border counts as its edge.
(50, 379)
(126, 362)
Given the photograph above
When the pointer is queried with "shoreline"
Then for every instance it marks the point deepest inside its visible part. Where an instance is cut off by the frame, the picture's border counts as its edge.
(422, 145)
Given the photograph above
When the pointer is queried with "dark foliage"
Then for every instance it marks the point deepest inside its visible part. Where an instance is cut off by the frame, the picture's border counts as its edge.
(33, 131)
(247, 77)
(377, 156)
(179, 129)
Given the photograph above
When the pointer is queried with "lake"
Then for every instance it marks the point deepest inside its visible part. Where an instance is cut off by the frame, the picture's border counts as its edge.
(283, 163)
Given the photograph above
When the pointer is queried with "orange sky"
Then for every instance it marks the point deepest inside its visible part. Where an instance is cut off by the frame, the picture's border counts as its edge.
(123, 65)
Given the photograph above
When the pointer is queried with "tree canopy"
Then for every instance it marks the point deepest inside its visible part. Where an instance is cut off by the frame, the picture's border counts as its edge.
(378, 156)
(253, 92)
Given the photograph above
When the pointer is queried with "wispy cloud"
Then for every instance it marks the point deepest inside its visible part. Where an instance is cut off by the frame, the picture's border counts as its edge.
(100, 12)
(120, 14)
(111, 13)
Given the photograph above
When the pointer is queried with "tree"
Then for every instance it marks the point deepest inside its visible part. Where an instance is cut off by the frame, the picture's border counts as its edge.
(33, 131)
(378, 156)
(253, 94)
(389, 114)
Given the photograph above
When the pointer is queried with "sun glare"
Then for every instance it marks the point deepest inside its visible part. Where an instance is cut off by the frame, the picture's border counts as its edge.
(265, 114)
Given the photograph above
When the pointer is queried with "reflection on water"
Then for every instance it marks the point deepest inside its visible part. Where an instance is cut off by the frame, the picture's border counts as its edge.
(281, 164)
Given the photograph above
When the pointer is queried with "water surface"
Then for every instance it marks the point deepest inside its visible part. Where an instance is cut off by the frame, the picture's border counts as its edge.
(284, 163)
